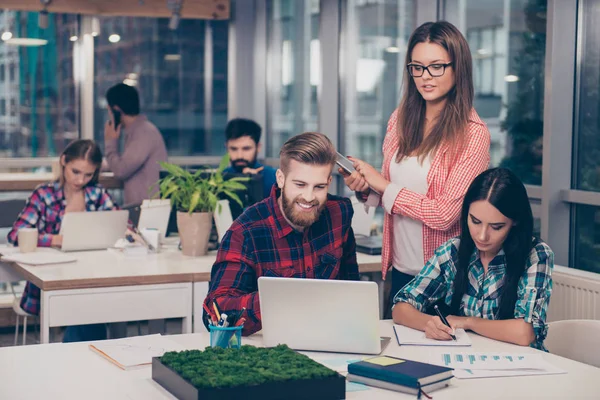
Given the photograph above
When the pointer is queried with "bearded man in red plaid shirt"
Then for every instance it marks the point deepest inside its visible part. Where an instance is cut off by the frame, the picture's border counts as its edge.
(299, 231)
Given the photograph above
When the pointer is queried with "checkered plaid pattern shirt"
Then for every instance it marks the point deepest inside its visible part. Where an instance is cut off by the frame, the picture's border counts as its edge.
(447, 183)
(482, 298)
(44, 210)
(262, 243)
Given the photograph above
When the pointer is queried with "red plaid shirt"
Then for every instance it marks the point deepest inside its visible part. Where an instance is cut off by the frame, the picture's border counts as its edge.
(439, 209)
(262, 243)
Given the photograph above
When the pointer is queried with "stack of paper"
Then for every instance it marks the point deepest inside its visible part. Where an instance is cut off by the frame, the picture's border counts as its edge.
(41, 256)
(408, 336)
(483, 365)
(135, 352)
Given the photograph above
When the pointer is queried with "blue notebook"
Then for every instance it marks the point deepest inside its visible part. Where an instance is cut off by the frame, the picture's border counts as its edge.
(402, 372)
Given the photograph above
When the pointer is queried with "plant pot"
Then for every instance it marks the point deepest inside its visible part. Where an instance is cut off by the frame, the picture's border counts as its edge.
(194, 232)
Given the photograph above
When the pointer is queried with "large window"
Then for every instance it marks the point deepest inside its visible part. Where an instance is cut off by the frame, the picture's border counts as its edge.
(39, 112)
(586, 165)
(375, 49)
(508, 44)
(181, 76)
(293, 70)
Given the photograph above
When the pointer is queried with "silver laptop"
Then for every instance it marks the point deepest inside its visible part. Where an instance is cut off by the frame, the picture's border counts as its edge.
(321, 315)
(93, 230)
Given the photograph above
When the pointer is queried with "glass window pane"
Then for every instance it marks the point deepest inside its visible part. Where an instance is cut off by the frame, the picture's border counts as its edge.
(587, 146)
(294, 63)
(38, 107)
(168, 69)
(376, 38)
(586, 250)
(508, 43)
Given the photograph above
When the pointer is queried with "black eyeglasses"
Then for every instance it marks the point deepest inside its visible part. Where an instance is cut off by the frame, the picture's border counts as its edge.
(435, 70)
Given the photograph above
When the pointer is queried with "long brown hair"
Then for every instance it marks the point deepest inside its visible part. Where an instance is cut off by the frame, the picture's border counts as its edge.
(450, 127)
(82, 150)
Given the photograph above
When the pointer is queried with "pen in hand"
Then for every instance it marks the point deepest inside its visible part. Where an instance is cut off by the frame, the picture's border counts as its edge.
(444, 320)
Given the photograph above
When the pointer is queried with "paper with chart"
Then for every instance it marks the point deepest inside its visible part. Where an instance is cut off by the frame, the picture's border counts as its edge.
(412, 337)
(482, 365)
(136, 351)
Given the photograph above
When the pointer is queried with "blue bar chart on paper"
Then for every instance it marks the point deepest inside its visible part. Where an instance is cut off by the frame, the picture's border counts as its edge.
(494, 361)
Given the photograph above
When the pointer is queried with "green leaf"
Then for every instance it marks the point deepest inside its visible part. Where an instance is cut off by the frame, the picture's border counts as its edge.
(234, 197)
(224, 163)
(194, 201)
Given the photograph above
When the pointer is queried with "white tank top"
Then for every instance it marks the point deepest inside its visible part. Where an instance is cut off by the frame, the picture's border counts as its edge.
(407, 255)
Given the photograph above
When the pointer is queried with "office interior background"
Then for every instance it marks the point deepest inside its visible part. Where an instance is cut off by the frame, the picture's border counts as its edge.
(333, 66)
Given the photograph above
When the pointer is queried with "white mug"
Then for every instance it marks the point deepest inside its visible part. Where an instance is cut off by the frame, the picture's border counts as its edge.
(27, 238)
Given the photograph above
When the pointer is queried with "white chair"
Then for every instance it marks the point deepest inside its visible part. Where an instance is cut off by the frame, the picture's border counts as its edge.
(577, 339)
(20, 313)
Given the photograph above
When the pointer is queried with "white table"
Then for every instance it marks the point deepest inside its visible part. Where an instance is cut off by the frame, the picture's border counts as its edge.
(104, 286)
(72, 371)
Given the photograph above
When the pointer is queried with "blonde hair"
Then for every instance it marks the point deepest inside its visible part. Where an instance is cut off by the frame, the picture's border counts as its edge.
(307, 148)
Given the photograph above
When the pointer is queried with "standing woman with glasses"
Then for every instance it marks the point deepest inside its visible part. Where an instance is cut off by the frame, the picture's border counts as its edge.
(434, 147)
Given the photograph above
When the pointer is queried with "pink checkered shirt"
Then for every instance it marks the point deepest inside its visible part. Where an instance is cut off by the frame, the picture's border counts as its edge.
(439, 209)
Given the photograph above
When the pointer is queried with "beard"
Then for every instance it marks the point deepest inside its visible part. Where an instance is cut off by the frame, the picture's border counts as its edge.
(241, 163)
(303, 219)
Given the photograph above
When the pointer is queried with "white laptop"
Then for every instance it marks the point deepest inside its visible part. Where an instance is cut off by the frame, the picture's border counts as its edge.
(93, 230)
(320, 315)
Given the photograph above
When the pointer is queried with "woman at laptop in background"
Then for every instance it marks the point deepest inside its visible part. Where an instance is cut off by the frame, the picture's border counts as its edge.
(435, 146)
(494, 279)
(77, 189)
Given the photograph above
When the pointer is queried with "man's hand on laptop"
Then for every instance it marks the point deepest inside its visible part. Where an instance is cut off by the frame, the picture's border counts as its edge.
(57, 241)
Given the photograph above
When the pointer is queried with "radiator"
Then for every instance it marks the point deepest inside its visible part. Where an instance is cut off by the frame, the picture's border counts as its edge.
(575, 295)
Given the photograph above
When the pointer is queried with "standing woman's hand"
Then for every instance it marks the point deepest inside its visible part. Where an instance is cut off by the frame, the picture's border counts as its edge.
(355, 182)
(373, 177)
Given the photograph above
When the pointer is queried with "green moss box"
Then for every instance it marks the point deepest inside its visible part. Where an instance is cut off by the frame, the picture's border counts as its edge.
(246, 373)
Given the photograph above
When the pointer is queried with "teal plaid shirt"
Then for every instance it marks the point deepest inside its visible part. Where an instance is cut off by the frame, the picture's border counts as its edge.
(482, 298)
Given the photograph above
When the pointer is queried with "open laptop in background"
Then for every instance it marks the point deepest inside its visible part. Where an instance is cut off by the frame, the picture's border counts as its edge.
(95, 230)
(321, 315)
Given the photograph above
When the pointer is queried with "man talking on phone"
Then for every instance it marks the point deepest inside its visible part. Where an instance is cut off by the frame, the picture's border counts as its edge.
(138, 164)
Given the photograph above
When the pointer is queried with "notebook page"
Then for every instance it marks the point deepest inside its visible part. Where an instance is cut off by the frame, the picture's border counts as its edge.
(412, 337)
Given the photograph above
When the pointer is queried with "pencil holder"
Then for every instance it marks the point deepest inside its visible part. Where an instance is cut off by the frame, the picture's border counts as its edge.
(227, 338)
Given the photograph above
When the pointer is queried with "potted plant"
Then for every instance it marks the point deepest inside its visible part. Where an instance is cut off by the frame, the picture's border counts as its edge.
(195, 195)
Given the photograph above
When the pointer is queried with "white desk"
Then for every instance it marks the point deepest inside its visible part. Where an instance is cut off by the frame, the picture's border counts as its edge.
(72, 371)
(103, 286)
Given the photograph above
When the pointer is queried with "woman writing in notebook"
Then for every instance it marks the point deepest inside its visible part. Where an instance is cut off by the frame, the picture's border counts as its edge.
(435, 145)
(494, 279)
(77, 189)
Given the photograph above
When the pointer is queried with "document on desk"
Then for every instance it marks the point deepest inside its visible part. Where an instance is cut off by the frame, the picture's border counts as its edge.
(482, 365)
(42, 256)
(413, 337)
(134, 352)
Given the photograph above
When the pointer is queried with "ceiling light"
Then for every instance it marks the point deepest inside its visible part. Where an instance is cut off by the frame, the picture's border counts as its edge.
(73, 38)
(43, 19)
(172, 57)
(392, 49)
(511, 78)
(174, 21)
(6, 35)
(26, 42)
(130, 82)
(114, 38)
(175, 7)
(95, 26)
(483, 52)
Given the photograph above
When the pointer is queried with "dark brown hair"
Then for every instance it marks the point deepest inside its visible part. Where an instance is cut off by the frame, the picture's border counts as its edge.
(307, 148)
(82, 150)
(450, 127)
